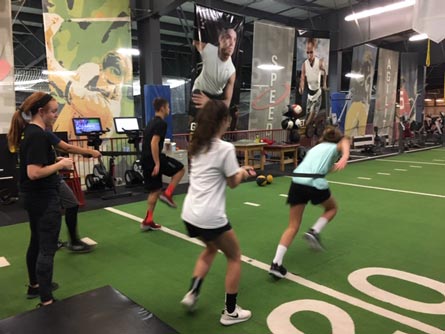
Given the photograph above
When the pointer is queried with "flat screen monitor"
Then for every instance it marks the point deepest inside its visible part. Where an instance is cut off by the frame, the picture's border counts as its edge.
(123, 124)
(83, 126)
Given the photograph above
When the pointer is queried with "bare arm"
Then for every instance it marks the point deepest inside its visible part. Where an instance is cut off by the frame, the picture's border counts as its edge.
(343, 146)
(36, 172)
(228, 90)
(323, 71)
(199, 45)
(302, 78)
(73, 149)
(53, 23)
(155, 153)
(243, 174)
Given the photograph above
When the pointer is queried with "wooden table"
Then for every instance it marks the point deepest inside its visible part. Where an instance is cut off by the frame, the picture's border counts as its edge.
(249, 148)
(282, 149)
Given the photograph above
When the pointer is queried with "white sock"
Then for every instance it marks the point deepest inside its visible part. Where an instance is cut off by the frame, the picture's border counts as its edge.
(320, 224)
(279, 255)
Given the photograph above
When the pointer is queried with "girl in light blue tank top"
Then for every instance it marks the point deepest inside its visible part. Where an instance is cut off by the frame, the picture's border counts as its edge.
(309, 184)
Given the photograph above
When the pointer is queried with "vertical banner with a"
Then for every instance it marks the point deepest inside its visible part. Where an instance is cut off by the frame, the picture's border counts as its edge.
(90, 70)
(217, 40)
(386, 92)
(7, 93)
(273, 48)
(312, 74)
(360, 88)
(408, 86)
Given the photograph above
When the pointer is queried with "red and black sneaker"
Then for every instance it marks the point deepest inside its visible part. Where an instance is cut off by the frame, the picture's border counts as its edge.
(167, 200)
(150, 226)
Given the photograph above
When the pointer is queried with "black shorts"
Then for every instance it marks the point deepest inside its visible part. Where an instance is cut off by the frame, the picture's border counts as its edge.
(192, 108)
(204, 233)
(301, 194)
(168, 167)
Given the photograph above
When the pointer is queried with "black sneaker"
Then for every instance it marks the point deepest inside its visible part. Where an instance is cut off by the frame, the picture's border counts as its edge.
(60, 244)
(277, 270)
(79, 247)
(35, 292)
(313, 239)
(43, 305)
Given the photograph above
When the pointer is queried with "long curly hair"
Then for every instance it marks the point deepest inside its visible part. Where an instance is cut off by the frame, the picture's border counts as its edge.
(209, 121)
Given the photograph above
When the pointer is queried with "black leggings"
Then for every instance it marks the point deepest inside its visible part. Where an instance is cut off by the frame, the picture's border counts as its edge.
(44, 221)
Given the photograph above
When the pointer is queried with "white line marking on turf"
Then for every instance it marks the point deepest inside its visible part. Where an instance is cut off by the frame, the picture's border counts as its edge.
(364, 178)
(283, 195)
(411, 162)
(414, 166)
(251, 204)
(89, 241)
(163, 228)
(387, 189)
(383, 173)
(401, 169)
(309, 284)
(439, 160)
(3, 262)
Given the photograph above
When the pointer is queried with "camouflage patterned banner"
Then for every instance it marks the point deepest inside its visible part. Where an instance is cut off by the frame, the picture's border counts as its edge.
(90, 69)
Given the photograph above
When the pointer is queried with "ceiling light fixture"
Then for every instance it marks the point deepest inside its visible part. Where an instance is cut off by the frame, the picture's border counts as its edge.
(380, 10)
(418, 37)
(354, 75)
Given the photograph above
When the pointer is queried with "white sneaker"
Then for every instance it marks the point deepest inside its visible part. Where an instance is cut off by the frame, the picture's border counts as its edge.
(239, 315)
(189, 300)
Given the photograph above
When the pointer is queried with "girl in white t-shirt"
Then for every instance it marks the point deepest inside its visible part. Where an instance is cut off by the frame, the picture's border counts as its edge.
(213, 167)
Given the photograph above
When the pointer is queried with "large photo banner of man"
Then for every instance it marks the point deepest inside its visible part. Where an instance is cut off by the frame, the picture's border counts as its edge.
(89, 66)
(360, 89)
(408, 86)
(273, 50)
(7, 93)
(386, 92)
(217, 39)
(312, 74)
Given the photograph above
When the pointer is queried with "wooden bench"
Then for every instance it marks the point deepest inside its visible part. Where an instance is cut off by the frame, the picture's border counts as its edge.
(282, 149)
(249, 148)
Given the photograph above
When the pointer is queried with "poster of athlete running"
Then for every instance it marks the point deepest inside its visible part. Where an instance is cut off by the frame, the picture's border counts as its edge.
(360, 87)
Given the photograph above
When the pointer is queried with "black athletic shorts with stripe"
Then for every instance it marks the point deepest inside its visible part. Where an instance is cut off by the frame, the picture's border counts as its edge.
(206, 234)
(168, 167)
(302, 194)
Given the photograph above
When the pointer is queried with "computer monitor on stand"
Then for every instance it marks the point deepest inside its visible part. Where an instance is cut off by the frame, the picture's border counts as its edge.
(101, 177)
(90, 127)
(130, 126)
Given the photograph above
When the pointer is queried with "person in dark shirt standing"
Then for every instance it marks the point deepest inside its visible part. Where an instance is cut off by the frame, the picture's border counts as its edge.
(39, 184)
(155, 164)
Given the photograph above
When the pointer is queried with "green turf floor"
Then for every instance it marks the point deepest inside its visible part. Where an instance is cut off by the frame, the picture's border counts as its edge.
(390, 226)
